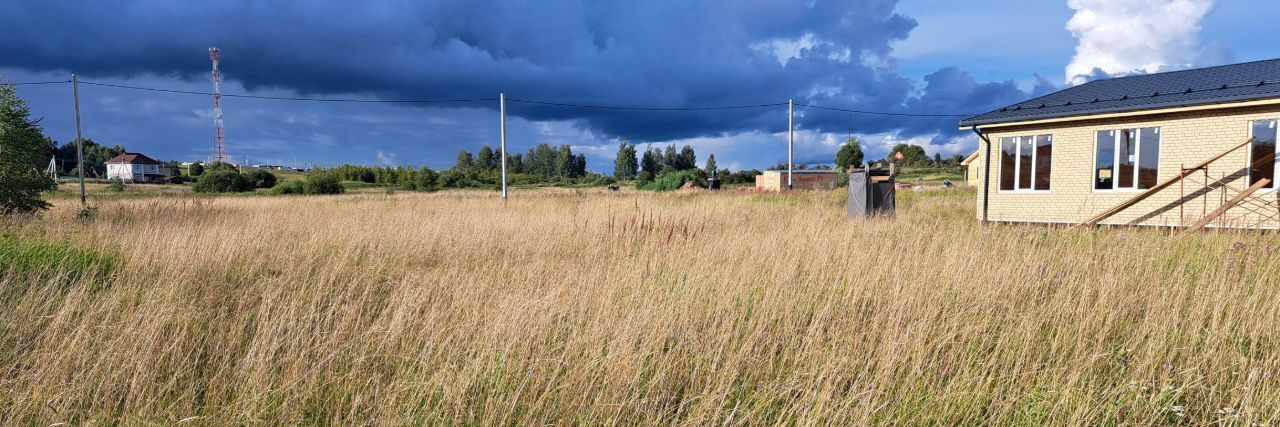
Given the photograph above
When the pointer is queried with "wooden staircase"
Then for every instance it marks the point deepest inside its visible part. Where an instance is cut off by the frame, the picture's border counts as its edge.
(1244, 196)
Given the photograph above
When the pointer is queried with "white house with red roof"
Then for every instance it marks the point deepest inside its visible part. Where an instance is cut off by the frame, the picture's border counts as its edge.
(137, 167)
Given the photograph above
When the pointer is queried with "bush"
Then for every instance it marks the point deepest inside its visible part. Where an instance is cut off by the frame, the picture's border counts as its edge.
(322, 183)
(116, 185)
(672, 180)
(644, 179)
(222, 182)
(261, 178)
(288, 187)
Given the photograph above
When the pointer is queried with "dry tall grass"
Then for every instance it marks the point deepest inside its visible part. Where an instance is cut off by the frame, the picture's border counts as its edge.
(602, 308)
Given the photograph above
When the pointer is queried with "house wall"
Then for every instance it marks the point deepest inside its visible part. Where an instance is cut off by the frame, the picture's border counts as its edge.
(1186, 139)
(126, 172)
(134, 172)
(974, 175)
(801, 181)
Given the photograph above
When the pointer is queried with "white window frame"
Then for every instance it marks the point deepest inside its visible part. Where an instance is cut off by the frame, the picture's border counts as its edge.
(1017, 165)
(1115, 160)
(1275, 167)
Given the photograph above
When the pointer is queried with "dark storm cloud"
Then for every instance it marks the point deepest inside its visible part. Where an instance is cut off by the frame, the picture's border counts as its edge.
(672, 53)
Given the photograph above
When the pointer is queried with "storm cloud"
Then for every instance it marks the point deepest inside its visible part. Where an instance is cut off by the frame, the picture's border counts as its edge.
(670, 53)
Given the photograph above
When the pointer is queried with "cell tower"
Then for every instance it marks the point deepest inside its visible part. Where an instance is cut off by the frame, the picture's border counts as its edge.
(219, 144)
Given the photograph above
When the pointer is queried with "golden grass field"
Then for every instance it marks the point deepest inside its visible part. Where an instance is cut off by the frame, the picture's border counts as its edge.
(590, 307)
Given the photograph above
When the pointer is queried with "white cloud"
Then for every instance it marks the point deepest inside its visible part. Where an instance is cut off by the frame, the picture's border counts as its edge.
(784, 50)
(387, 159)
(1142, 36)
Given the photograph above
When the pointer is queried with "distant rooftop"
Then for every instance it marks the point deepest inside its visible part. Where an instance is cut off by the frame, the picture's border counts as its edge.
(1248, 81)
(133, 158)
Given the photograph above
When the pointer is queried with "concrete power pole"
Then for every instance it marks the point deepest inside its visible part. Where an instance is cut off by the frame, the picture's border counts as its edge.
(75, 91)
(791, 137)
(502, 114)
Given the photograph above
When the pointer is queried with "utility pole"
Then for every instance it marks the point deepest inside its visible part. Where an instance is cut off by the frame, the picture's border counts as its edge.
(502, 114)
(75, 90)
(791, 137)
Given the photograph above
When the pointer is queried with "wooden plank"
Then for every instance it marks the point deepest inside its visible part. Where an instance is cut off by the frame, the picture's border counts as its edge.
(1228, 205)
(1094, 220)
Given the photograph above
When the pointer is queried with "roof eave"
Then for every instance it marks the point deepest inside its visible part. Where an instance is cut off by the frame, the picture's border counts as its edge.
(1213, 103)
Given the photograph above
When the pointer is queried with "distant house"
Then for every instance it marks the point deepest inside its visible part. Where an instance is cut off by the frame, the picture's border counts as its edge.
(1188, 148)
(137, 167)
(972, 169)
(776, 180)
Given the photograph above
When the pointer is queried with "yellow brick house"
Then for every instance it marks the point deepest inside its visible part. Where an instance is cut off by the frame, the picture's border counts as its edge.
(1191, 148)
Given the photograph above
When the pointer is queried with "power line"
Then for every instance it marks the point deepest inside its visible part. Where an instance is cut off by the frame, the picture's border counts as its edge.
(883, 113)
(38, 83)
(635, 108)
(289, 98)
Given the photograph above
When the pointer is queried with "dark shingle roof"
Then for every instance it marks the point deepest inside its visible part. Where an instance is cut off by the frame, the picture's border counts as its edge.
(133, 158)
(1227, 83)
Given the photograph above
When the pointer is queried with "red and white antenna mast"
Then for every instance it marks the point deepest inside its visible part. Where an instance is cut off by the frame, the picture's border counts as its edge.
(219, 144)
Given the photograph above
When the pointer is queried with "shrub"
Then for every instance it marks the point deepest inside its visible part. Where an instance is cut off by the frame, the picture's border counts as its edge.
(261, 178)
(322, 183)
(644, 179)
(222, 182)
(672, 180)
(116, 185)
(288, 187)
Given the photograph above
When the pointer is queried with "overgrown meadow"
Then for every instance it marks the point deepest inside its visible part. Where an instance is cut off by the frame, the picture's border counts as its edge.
(636, 308)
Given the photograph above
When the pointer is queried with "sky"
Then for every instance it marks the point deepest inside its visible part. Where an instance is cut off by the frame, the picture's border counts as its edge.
(921, 57)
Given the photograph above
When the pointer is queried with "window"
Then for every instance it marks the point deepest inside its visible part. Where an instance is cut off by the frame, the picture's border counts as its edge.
(1262, 152)
(1127, 159)
(1025, 163)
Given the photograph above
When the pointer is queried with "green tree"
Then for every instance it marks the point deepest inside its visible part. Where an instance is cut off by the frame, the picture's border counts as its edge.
(222, 181)
(515, 163)
(220, 167)
(912, 155)
(485, 159)
(686, 159)
(651, 162)
(711, 164)
(426, 179)
(322, 183)
(937, 159)
(625, 166)
(669, 159)
(850, 154)
(464, 160)
(261, 178)
(196, 169)
(24, 153)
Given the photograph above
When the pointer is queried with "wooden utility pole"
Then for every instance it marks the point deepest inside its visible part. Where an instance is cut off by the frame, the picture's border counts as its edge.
(75, 90)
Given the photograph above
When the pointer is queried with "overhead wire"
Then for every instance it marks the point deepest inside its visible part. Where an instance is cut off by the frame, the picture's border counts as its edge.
(39, 83)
